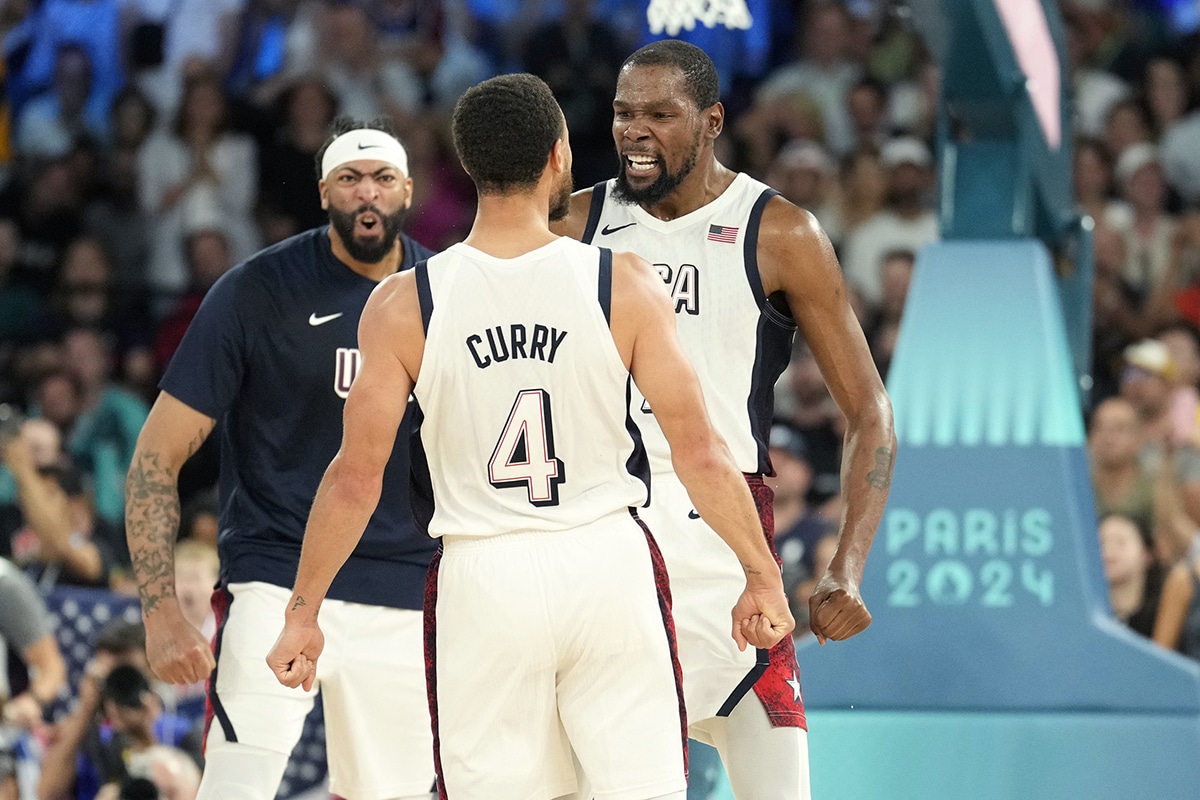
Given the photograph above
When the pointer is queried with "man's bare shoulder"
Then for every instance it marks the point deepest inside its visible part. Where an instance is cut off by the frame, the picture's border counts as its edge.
(792, 243)
(394, 302)
(574, 224)
(784, 222)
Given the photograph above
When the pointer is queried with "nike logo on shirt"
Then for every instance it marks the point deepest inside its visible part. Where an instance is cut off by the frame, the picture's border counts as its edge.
(605, 231)
(314, 320)
(693, 515)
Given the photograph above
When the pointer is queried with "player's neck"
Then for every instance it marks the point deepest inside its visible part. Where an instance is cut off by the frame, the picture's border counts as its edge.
(377, 271)
(507, 226)
(706, 183)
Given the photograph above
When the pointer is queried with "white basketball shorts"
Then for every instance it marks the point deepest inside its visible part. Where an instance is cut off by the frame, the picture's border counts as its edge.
(371, 674)
(540, 643)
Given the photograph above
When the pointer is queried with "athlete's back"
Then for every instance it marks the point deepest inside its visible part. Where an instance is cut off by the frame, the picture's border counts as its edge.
(524, 393)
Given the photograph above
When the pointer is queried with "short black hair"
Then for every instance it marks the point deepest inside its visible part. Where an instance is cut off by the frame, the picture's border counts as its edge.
(699, 72)
(344, 124)
(504, 129)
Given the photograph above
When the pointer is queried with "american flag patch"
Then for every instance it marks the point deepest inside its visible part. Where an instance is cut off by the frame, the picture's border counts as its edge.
(722, 233)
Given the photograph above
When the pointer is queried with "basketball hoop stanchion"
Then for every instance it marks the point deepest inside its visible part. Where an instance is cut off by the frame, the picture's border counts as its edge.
(673, 16)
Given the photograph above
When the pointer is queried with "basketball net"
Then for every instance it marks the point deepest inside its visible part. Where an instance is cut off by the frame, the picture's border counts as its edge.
(673, 16)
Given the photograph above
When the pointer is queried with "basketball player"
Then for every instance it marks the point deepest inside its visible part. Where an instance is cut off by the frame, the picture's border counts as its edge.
(548, 627)
(271, 354)
(743, 268)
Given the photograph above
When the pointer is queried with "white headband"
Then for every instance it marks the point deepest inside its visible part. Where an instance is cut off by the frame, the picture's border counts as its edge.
(364, 144)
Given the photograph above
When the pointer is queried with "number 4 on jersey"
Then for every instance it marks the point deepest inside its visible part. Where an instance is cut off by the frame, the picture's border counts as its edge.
(524, 456)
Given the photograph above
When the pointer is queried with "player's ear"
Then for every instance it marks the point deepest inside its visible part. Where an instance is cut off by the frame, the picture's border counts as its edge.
(714, 120)
(558, 155)
(323, 189)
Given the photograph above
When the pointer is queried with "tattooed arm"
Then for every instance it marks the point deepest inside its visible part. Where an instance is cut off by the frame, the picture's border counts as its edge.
(172, 433)
(796, 258)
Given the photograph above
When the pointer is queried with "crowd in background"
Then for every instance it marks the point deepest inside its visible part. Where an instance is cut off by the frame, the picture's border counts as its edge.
(146, 146)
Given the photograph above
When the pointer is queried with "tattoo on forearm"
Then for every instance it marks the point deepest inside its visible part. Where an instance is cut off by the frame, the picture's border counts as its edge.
(881, 476)
(751, 570)
(299, 602)
(152, 524)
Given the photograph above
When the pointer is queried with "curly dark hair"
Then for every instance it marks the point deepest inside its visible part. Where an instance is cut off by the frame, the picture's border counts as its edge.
(699, 72)
(343, 124)
(504, 129)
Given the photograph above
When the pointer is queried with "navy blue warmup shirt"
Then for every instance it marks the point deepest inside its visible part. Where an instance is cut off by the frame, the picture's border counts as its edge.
(270, 355)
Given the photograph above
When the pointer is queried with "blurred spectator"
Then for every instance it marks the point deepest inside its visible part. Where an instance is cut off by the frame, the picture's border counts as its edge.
(578, 56)
(367, 81)
(1142, 219)
(87, 750)
(262, 47)
(1135, 580)
(443, 204)
(1126, 124)
(196, 569)
(812, 415)
(53, 121)
(61, 540)
(25, 632)
(107, 425)
(1122, 484)
(798, 527)
(883, 321)
(863, 189)
(45, 201)
(773, 119)
(1147, 383)
(867, 107)
(913, 103)
(131, 119)
(804, 174)
(208, 258)
(20, 303)
(1180, 143)
(823, 70)
(198, 168)
(1094, 90)
(32, 48)
(198, 518)
(116, 219)
(165, 38)
(304, 110)
(170, 771)
(1092, 177)
(1178, 624)
(906, 222)
(429, 36)
(56, 396)
(823, 552)
(1183, 345)
(1164, 86)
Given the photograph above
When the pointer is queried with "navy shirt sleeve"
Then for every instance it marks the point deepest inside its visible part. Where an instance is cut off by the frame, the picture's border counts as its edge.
(206, 371)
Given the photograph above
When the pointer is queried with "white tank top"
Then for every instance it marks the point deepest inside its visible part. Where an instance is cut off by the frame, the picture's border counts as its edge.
(738, 342)
(524, 394)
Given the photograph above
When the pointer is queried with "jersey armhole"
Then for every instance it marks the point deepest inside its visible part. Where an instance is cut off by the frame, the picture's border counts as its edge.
(769, 310)
(424, 295)
(598, 193)
(605, 283)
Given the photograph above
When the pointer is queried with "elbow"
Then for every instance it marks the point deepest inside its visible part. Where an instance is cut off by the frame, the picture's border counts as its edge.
(703, 453)
(355, 485)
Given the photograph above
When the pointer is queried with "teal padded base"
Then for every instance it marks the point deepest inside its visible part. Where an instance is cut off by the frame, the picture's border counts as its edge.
(898, 755)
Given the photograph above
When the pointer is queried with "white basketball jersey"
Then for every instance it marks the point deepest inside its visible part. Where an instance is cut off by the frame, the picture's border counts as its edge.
(738, 342)
(524, 394)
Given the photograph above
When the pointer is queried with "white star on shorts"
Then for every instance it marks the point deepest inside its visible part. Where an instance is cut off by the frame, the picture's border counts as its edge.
(795, 684)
